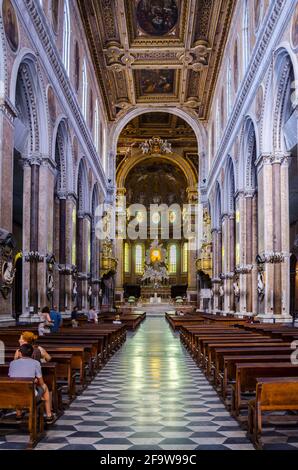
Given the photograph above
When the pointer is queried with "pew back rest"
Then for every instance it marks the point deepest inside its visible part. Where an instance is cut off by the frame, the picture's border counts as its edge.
(277, 393)
(16, 393)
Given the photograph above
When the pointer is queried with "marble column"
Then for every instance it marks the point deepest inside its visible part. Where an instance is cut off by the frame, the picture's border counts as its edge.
(70, 249)
(119, 245)
(245, 252)
(274, 236)
(7, 116)
(192, 195)
(216, 269)
(45, 224)
(228, 261)
(83, 258)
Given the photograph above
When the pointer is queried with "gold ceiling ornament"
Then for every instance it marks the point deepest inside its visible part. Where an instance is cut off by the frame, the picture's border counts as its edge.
(156, 146)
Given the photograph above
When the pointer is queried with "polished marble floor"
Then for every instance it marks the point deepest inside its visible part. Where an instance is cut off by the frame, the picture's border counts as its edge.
(151, 395)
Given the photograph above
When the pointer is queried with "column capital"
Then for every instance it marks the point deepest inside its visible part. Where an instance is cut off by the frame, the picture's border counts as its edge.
(273, 158)
(68, 195)
(120, 192)
(245, 193)
(84, 215)
(271, 257)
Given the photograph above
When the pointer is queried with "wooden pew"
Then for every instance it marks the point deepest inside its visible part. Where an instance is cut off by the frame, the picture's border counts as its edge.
(272, 394)
(247, 373)
(20, 394)
(229, 372)
(50, 378)
(223, 352)
(209, 348)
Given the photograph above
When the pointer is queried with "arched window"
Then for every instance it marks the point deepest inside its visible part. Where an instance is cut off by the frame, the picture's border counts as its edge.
(139, 262)
(185, 258)
(245, 36)
(173, 259)
(96, 127)
(66, 36)
(229, 88)
(126, 258)
(85, 90)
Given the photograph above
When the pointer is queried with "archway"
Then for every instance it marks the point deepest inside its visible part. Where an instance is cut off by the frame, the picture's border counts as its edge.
(158, 176)
(28, 150)
(228, 237)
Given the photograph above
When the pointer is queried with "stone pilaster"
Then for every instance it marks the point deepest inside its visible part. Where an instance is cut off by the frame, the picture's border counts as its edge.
(274, 236)
(84, 258)
(7, 116)
(228, 261)
(216, 269)
(45, 225)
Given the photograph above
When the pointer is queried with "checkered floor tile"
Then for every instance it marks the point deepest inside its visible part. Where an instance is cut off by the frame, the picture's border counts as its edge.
(151, 395)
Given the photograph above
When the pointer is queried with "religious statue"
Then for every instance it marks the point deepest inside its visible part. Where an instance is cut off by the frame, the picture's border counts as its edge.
(261, 285)
(7, 270)
(50, 285)
(221, 291)
(74, 290)
(236, 289)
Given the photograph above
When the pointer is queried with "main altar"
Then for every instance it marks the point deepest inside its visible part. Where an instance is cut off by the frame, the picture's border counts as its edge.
(155, 288)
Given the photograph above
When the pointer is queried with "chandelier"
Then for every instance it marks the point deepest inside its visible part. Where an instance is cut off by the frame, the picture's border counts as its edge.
(156, 146)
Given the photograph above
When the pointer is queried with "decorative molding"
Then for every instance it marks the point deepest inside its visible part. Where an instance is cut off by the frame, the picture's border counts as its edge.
(281, 158)
(243, 269)
(271, 257)
(227, 276)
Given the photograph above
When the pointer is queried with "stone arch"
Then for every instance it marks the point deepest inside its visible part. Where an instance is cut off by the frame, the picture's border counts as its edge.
(174, 159)
(284, 76)
(83, 187)
(283, 69)
(28, 96)
(197, 127)
(62, 155)
(248, 155)
(3, 62)
(217, 208)
(229, 188)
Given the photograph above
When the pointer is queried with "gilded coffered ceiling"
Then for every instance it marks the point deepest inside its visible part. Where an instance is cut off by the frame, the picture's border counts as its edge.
(157, 52)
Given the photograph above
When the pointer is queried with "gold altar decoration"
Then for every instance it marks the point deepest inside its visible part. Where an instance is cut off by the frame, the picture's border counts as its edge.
(107, 261)
(204, 261)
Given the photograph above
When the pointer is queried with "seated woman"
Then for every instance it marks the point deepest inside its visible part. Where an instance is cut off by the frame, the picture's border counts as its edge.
(46, 323)
(26, 367)
(39, 353)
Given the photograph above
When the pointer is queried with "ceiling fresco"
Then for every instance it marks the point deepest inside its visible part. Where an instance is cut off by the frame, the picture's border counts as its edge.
(157, 52)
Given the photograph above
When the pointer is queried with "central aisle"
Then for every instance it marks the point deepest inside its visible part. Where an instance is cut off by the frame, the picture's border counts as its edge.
(151, 395)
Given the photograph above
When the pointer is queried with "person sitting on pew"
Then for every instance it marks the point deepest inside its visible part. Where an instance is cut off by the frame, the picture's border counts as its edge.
(26, 367)
(45, 324)
(56, 318)
(39, 353)
(92, 315)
